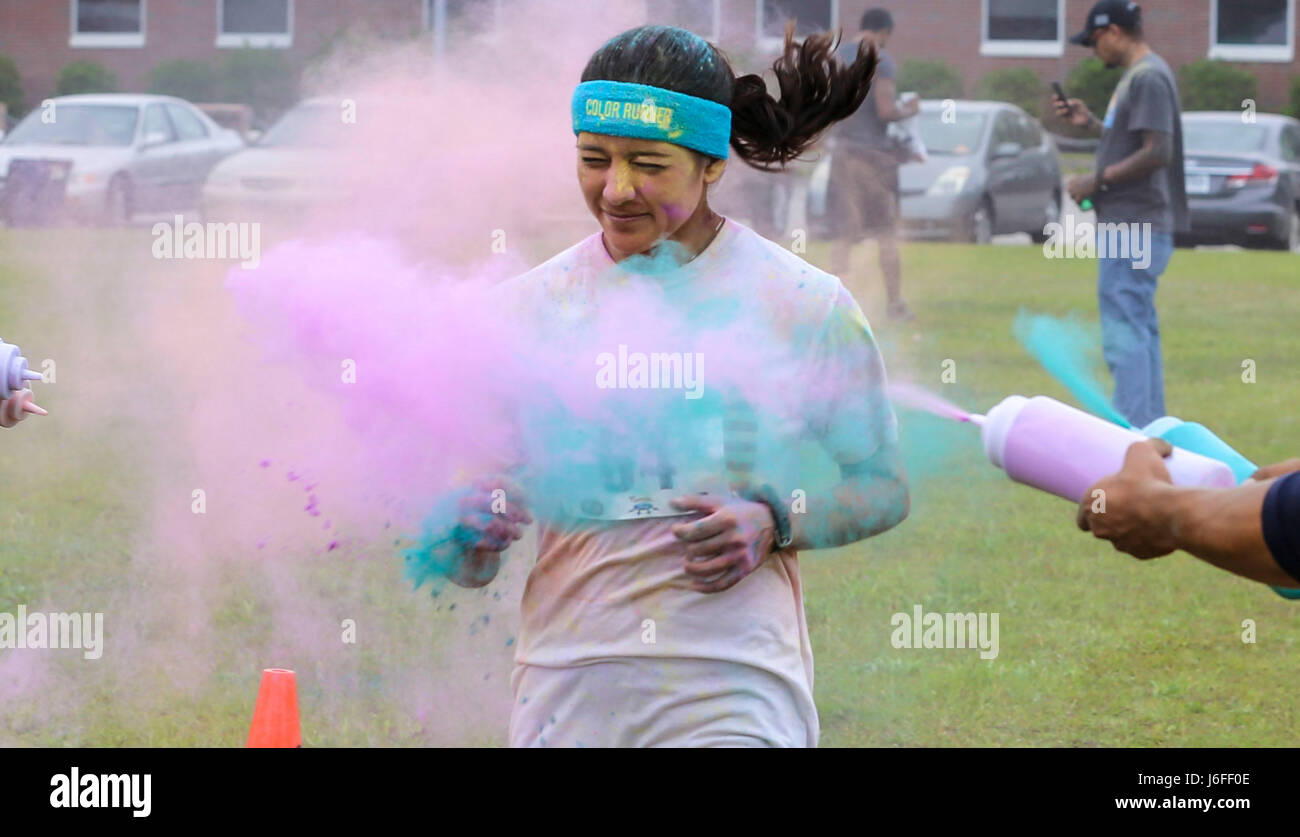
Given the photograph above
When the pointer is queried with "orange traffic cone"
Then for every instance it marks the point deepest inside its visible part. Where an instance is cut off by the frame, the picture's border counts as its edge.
(275, 718)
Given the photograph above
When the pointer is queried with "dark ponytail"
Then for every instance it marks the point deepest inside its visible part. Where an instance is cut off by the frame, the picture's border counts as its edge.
(817, 89)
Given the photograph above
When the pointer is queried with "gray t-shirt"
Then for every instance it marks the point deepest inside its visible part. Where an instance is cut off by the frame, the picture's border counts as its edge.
(865, 126)
(1146, 99)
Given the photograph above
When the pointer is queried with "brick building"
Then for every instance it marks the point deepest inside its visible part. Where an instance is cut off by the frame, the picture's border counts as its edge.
(975, 36)
(130, 37)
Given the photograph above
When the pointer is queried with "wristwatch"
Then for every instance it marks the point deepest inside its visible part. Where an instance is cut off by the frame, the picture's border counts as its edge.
(1102, 185)
(767, 495)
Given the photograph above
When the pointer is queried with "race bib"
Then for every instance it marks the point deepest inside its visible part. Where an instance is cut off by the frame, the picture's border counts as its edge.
(633, 473)
(642, 505)
(637, 479)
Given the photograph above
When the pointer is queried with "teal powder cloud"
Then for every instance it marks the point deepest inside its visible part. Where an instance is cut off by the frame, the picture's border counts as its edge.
(1064, 347)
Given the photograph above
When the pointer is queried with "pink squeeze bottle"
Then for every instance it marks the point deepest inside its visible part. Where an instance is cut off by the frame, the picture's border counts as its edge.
(1041, 442)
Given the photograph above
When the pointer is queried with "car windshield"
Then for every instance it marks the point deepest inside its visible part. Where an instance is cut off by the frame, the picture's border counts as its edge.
(956, 136)
(77, 125)
(319, 126)
(1223, 135)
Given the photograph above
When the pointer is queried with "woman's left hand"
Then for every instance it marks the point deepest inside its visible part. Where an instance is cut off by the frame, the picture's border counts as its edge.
(728, 543)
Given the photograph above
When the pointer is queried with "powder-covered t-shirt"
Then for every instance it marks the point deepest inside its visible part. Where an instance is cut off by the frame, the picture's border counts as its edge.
(609, 582)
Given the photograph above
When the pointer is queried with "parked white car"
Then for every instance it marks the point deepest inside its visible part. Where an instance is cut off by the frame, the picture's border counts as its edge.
(105, 157)
(298, 164)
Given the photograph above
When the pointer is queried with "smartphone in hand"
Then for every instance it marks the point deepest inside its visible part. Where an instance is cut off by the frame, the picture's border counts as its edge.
(1060, 95)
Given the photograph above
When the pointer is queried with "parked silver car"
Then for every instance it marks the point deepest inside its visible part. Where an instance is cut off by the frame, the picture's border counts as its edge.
(104, 157)
(1243, 179)
(992, 169)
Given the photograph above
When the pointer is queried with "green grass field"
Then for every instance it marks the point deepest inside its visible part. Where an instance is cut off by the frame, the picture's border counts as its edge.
(1096, 649)
(1076, 163)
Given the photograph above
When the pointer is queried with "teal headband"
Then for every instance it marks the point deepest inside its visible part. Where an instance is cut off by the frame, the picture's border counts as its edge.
(623, 109)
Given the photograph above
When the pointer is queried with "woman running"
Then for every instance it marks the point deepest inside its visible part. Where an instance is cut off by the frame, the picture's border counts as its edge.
(665, 607)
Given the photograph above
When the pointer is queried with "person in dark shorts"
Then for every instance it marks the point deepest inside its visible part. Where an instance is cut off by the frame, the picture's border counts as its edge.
(1252, 530)
(862, 196)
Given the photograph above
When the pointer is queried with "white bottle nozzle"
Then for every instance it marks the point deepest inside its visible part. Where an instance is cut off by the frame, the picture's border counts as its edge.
(14, 373)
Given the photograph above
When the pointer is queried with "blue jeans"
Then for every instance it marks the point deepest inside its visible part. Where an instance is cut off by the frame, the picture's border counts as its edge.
(1130, 332)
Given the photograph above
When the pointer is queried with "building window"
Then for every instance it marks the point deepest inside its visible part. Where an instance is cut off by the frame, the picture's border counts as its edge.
(703, 17)
(107, 23)
(479, 19)
(1018, 28)
(811, 17)
(255, 23)
(1252, 30)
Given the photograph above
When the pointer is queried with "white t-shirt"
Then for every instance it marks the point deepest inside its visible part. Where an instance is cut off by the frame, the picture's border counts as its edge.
(786, 356)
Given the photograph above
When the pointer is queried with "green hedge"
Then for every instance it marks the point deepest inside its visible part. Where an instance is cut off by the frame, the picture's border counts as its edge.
(1293, 106)
(1213, 85)
(84, 77)
(260, 78)
(11, 87)
(1092, 82)
(194, 81)
(930, 79)
(1018, 85)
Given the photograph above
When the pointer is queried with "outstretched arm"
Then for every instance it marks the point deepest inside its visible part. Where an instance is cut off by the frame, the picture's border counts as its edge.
(1147, 516)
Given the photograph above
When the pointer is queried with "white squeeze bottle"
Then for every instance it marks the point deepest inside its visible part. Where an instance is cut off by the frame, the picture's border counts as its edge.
(1052, 446)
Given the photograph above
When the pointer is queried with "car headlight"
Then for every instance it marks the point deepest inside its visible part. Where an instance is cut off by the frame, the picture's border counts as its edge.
(951, 182)
(86, 179)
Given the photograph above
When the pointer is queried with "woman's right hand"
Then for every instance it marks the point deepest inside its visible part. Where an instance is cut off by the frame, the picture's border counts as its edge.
(492, 517)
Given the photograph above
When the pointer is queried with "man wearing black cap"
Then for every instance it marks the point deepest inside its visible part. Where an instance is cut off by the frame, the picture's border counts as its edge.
(1138, 181)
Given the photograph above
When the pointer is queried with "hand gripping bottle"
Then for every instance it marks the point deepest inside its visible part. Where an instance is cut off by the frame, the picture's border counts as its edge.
(1196, 437)
(1041, 442)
